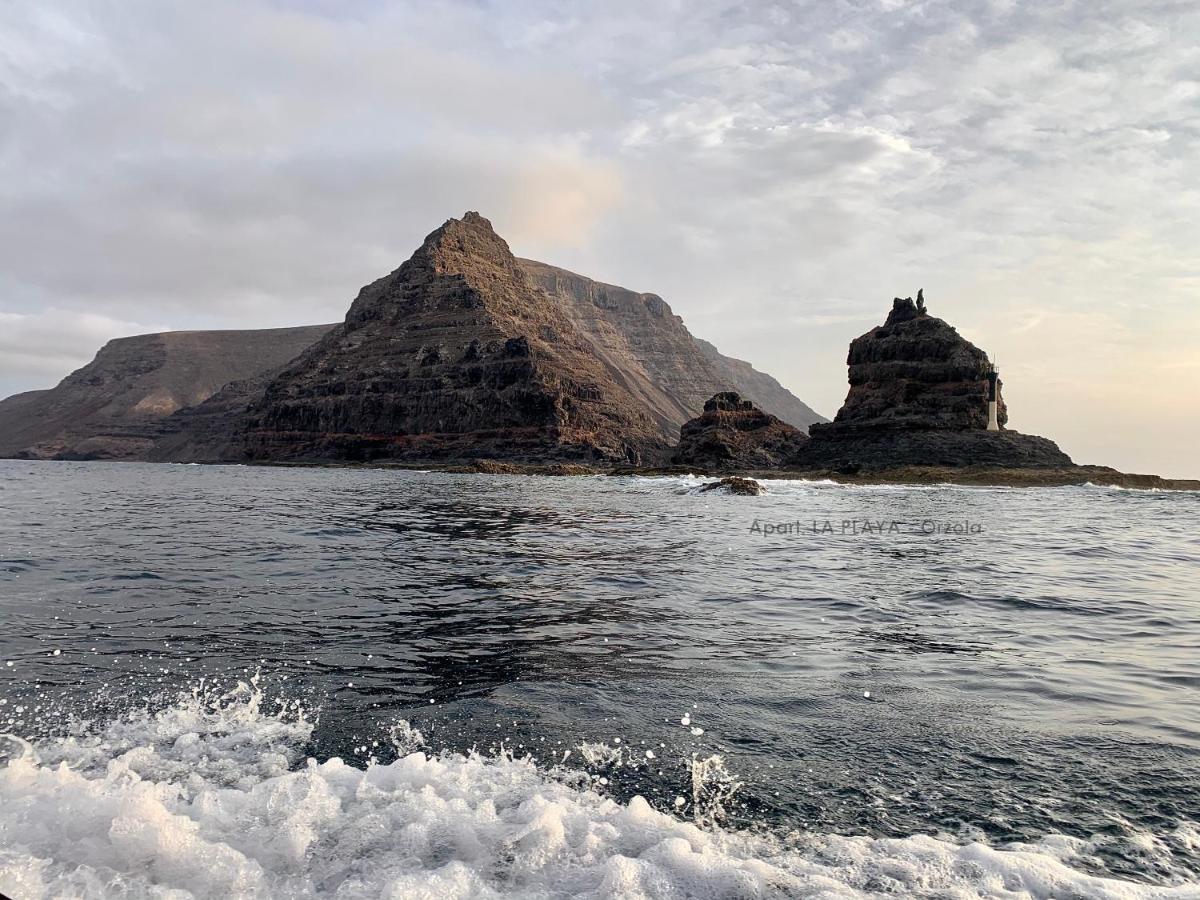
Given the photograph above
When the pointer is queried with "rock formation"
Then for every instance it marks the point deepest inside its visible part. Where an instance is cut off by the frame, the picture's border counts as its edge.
(919, 396)
(742, 487)
(397, 365)
(733, 433)
(112, 407)
(453, 355)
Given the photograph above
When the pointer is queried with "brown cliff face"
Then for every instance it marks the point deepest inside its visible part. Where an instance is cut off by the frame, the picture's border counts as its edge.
(919, 396)
(668, 370)
(455, 354)
(733, 433)
(112, 407)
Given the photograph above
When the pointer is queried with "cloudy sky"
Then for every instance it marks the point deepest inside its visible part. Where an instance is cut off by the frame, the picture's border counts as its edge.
(777, 171)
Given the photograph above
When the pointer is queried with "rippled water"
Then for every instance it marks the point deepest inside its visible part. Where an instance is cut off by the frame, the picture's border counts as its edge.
(986, 665)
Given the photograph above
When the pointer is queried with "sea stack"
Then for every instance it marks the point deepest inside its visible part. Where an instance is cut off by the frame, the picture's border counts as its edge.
(921, 394)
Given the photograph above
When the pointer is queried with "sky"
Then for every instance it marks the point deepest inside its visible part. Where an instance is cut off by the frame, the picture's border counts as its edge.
(777, 171)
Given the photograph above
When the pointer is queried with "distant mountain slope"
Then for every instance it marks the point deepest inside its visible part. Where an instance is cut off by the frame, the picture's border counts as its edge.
(112, 407)
(640, 335)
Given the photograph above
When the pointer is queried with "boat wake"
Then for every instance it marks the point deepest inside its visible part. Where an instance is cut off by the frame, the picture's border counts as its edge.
(215, 796)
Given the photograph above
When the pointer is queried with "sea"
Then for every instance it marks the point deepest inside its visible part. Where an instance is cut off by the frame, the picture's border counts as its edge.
(227, 681)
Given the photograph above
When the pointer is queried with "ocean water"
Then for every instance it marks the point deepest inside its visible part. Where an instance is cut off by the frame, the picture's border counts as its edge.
(279, 682)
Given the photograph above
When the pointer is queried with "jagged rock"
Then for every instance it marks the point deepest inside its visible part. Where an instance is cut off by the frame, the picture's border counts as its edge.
(453, 355)
(919, 396)
(744, 487)
(113, 407)
(733, 433)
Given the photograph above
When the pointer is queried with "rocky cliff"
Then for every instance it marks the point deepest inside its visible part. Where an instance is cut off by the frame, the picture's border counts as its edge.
(464, 351)
(671, 372)
(732, 433)
(454, 354)
(919, 396)
(112, 407)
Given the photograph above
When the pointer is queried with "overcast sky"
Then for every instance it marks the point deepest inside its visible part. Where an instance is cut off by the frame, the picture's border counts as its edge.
(776, 171)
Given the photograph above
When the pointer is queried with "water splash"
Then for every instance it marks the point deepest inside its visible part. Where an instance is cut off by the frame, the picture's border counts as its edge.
(213, 797)
(713, 789)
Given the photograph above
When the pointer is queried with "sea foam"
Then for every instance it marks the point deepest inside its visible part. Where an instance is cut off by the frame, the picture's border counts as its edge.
(212, 796)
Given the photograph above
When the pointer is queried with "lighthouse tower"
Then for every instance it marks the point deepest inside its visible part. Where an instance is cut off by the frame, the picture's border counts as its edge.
(993, 378)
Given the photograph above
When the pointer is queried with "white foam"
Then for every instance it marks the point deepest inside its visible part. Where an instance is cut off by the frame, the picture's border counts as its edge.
(209, 799)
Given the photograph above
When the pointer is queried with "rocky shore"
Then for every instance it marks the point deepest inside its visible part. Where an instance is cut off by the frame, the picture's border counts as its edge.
(967, 476)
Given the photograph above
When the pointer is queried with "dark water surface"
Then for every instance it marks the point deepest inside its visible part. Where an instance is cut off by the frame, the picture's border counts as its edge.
(1038, 674)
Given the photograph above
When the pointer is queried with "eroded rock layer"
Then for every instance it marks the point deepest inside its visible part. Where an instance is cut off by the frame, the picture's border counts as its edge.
(915, 371)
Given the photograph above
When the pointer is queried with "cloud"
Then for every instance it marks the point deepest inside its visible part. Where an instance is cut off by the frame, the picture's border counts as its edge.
(167, 159)
(37, 349)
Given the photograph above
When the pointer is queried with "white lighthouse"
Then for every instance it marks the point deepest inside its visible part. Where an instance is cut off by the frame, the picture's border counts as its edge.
(993, 399)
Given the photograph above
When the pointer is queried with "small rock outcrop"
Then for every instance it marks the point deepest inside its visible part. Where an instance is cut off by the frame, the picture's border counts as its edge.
(733, 433)
(742, 487)
(919, 395)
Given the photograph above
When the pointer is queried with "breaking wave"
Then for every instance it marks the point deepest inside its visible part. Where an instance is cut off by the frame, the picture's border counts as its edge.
(215, 796)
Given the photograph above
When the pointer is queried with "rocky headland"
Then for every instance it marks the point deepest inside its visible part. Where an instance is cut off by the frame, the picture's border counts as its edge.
(453, 355)
(465, 352)
(469, 359)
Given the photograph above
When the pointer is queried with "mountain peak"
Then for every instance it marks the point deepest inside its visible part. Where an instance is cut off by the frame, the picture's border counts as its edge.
(471, 217)
(470, 236)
